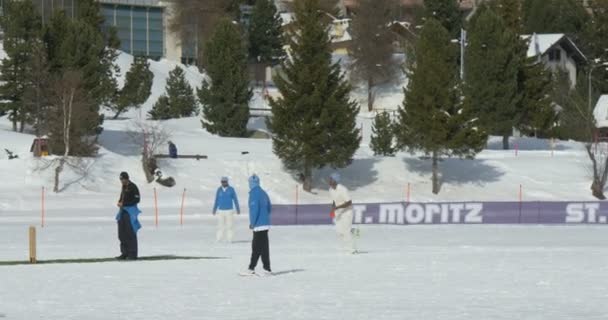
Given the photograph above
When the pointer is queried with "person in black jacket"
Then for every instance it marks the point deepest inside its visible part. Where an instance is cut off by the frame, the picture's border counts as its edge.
(127, 218)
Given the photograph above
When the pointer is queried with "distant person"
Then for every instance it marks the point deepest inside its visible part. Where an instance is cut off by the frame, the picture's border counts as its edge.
(128, 225)
(226, 202)
(259, 222)
(342, 208)
(172, 150)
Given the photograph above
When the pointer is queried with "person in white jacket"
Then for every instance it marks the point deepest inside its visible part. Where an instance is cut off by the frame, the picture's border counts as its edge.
(342, 207)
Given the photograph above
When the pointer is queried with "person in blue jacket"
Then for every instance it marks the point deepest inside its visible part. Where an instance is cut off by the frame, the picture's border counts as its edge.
(128, 224)
(226, 202)
(172, 150)
(259, 222)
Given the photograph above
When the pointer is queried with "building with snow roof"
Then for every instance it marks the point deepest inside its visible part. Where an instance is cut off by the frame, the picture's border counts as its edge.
(557, 52)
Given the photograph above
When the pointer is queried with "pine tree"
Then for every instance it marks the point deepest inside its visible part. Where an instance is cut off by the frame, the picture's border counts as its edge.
(22, 28)
(433, 118)
(555, 16)
(314, 121)
(161, 109)
(225, 100)
(595, 42)
(494, 60)
(138, 86)
(265, 33)
(36, 92)
(89, 11)
(383, 135)
(447, 12)
(536, 115)
(373, 45)
(180, 98)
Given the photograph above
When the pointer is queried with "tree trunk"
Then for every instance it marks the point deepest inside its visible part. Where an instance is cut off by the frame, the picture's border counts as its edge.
(307, 179)
(57, 172)
(116, 115)
(22, 125)
(505, 142)
(370, 94)
(436, 184)
(598, 190)
(14, 124)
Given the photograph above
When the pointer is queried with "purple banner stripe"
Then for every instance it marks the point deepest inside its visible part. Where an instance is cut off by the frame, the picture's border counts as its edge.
(534, 212)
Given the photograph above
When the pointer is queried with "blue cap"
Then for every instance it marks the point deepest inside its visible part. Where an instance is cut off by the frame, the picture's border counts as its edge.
(254, 181)
(335, 177)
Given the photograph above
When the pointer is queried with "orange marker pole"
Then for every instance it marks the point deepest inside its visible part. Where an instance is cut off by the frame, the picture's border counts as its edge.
(155, 208)
(181, 214)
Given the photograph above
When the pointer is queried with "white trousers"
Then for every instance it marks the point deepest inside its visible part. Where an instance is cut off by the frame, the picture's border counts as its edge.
(224, 225)
(344, 223)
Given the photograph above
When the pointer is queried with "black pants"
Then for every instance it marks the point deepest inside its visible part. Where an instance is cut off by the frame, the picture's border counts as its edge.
(259, 247)
(127, 237)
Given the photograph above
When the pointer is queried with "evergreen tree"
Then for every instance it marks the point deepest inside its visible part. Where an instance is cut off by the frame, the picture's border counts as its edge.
(180, 98)
(161, 109)
(36, 92)
(555, 16)
(595, 43)
(265, 33)
(22, 28)
(447, 12)
(494, 60)
(138, 86)
(89, 11)
(383, 135)
(373, 44)
(433, 118)
(535, 111)
(225, 100)
(314, 121)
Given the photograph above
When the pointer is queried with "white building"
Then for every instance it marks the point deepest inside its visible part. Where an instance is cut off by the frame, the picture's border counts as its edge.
(557, 52)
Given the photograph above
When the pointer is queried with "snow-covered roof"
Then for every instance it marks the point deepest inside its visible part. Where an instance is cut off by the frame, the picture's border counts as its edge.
(540, 43)
(600, 113)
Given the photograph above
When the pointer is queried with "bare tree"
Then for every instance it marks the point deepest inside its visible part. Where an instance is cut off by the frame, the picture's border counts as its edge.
(149, 137)
(373, 44)
(578, 123)
(69, 106)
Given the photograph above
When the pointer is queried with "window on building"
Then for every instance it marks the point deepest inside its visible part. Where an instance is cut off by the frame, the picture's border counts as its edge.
(555, 55)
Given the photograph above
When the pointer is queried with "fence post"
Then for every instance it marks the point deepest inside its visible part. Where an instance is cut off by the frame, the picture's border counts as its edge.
(297, 196)
(181, 213)
(32, 237)
(155, 208)
(520, 203)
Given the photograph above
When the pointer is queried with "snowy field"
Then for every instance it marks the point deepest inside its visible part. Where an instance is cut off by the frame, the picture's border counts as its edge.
(415, 272)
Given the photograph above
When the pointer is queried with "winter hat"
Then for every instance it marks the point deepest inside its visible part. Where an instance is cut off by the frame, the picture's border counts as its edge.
(254, 181)
(335, 177)
(124, 176)
(224, 179)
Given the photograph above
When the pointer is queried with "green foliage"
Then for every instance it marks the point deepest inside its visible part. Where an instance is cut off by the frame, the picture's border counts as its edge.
(22, 29)
(180, 98)
(433, 118)
(265, 33)
(138, 86)
(225, 100)
(447, 12)
(161, 110)
(383, 135)
(314, 120)
(495, 56)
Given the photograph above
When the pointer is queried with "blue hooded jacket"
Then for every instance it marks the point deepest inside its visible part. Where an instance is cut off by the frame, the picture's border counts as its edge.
(226, 200)
(133, 212)
(259, 204)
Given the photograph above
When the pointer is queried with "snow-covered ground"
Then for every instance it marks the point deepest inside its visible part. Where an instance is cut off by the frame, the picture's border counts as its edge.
(414, 272)
(417, 272)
